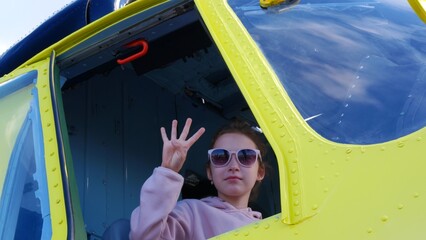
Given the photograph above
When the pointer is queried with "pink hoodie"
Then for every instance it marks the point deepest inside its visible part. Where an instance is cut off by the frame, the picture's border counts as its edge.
(160, 217)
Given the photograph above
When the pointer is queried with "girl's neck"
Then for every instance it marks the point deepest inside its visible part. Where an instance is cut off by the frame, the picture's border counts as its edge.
(240, 202)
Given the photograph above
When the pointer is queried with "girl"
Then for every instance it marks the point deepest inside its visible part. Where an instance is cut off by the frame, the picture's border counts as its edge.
(235, 165)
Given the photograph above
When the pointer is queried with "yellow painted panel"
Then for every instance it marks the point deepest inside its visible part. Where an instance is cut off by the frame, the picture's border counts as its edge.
(328, 190)
(380, 195)
(51, 153)
(269, 3)
(419, 6)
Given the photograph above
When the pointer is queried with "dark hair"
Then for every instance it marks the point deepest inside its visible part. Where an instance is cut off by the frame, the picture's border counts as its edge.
(239, 126)
(243, 127)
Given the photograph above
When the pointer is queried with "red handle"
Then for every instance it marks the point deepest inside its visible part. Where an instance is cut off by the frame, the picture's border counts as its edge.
(143, 44)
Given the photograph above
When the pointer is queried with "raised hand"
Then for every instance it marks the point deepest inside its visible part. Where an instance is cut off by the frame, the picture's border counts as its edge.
(175, 149)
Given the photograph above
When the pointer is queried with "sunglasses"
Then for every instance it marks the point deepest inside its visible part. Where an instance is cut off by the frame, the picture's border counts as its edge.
(220, 157)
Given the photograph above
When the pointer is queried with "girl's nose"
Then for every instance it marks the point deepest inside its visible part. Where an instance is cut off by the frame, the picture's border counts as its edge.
(233, 164)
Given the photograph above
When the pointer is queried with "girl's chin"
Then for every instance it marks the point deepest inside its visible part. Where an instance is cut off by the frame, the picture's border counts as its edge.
(233, 191)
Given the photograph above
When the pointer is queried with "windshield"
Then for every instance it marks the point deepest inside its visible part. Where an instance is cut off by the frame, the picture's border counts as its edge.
(354, 69)
(15, 98)
(24, 203)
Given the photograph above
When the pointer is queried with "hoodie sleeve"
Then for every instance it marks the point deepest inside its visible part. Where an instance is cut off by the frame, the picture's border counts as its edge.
(158, 197)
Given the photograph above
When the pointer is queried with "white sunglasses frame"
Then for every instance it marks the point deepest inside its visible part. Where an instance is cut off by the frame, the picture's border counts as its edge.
(234, 152)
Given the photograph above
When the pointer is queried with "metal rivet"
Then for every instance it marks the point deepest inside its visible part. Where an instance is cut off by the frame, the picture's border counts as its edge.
(400, 206)
(348, 151)
(384, 218)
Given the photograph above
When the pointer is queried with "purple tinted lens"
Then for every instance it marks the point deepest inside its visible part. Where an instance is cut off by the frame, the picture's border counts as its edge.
(247, 156)
(219, 157)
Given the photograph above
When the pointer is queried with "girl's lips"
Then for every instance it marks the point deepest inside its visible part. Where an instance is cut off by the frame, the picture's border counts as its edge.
(232, 178)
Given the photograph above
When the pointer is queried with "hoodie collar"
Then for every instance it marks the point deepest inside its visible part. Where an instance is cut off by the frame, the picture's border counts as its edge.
(222, 204)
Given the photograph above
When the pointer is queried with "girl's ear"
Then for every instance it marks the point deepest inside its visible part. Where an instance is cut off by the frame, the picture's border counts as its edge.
(209, 173)
(260, 173)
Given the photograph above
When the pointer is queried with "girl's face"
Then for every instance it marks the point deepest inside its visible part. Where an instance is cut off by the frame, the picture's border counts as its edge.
(234, 181)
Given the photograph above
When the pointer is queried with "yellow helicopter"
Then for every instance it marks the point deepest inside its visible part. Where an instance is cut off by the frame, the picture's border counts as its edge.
(337, 87)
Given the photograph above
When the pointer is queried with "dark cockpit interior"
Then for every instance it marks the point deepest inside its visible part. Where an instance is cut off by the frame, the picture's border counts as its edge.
(114, 112)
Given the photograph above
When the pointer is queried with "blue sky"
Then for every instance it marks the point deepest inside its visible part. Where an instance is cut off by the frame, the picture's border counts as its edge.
(19, 17)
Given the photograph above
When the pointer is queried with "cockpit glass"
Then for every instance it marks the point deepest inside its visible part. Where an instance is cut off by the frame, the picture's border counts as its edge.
(24, 201)
(355, 70)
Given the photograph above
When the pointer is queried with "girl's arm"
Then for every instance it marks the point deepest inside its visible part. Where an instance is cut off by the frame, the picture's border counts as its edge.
(157, 200)
(161, 191)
